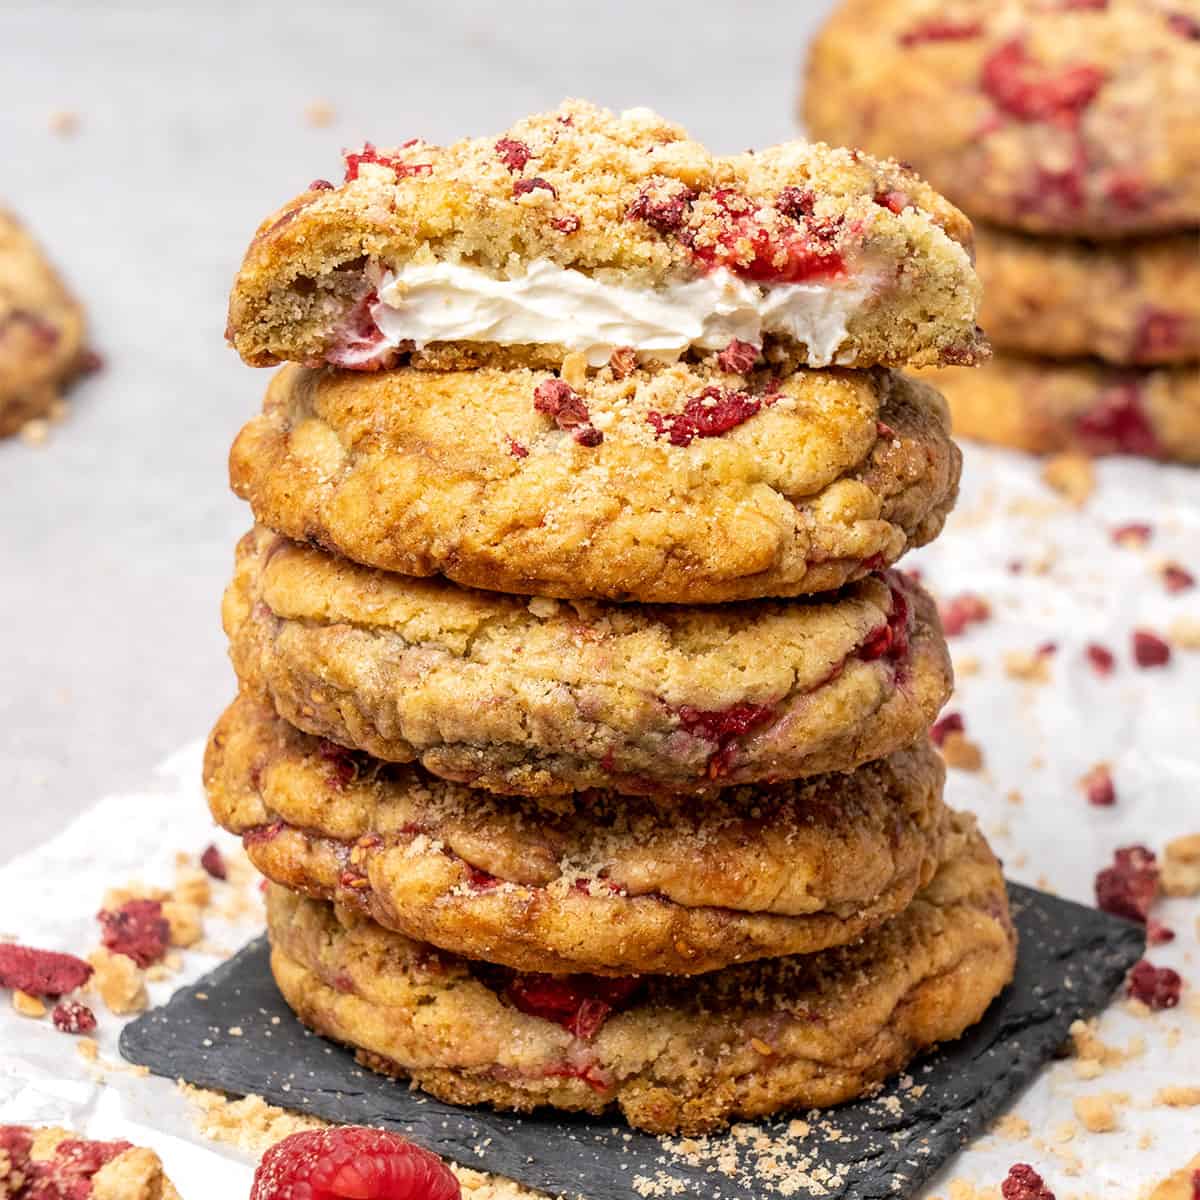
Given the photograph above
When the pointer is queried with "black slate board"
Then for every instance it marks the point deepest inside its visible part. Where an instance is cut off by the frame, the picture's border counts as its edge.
(1072, 960)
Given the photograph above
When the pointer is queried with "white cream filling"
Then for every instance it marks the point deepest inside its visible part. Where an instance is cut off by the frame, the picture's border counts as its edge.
(549, 304)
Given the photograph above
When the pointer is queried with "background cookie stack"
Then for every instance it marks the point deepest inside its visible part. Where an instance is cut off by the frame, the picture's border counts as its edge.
(583, 722)
(1073, 131)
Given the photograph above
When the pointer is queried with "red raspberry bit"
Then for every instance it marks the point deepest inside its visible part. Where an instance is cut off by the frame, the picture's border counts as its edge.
(714, 412)
(588, 435)
(343, 766)
(894, 200)
(1130, 886)
(579, 1003)
(41, 972)
(623, 361)
(889, 640)
(481, 881)
(1024, 1183)
(1018, 87)
(393, 162)
(960, 612)
(1177, 579)
(359, 345)
(68, 1175)
(940, 29)
(738, 357)
(1185, 25)
(1196, 1174)
(569, 223)
(952, 722)
(1117, 424)
(213, 862)
(1158, 934)
(556, 398)
(1098, 786)
(138, 930)
(1134, 534)
(320, 185)
(1158, 335)
(662, 206)
(1101, 658)
(351, 1162)
(523, 187)
(1158, 987)
(513, 154)
(73, 1017)
(1149, 650)
(516, 449)
(716, 725)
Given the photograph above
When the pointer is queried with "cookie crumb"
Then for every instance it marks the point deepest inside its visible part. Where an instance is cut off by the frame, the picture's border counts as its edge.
(1178, 1096)
(1184, 633)
(320, 114)
(1097, 1114)
(960, 752)
(1028, 666)
(28, 1006)
(35, 432)
(119, 982)
(1072, 476)
(64, 122)
(1181, 866)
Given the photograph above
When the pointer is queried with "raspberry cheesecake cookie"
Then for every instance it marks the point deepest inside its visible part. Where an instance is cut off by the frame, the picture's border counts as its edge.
(593, 881)
(582, 231)
(674, 1054)
(689, 483)
(1063, 117)
(1130, 303)
(49, 1163)
(41, 330)
(1042, 406)
(538, 696)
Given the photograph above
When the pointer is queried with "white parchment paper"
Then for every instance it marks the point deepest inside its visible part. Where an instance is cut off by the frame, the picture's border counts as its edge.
(1075, 586)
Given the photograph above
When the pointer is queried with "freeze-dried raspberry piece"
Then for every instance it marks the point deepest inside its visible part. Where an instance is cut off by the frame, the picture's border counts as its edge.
(940, 29)
(894, 200)
(1157, 335)
(393, 162)
(1135, 533)
(513, 154)
(738, 357)
(72, 1017)
(797, 203)
(556, 398)
(481, 881)
(663, 206)
(588, 435)
(960, 612)
(138, 930)
(1159, 987)
(213, 862)
(1149, 650)
(623, 361)
(1130, 886)
(1117, 424)
(1024, 1183)
(352, 1163)
(358, 343)
(1019, 87)
(1177, 578)
(567, 223)
(41, 972)
(1185, 25)
(952, 722)
(715, 725)
(714, 412)
(320, 185)
(579, 1003)
(1157, 934)
(1098, 786)
(67, 1175)
(523, 187)
(889, 640)
(516, 449)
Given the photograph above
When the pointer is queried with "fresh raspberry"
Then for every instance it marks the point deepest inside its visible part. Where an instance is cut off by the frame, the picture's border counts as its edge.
(1117, 424)
(1185, 25)
(738, 357)
(213, 862)
(1023, 90)
(662, 206)
(1159, 987)
(1136, 533)
(516, 449)
(1024, 1183)
(579, 1003)
(715, 725)
(714, 412)
(72, 1017)
(960, 612)
(138, 930)
(344, 768)
(1149, 650)
(1157, 336)
(370, 154)
(513, 154)
(352, 1163)
(556, 398)
(940, 29)
(1130, 886)
(523, 187)
(1098, 787)
(952, 722)
(1177, 578)
(41, 972)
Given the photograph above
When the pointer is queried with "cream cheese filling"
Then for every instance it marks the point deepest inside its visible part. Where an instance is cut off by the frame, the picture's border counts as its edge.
(552, 305)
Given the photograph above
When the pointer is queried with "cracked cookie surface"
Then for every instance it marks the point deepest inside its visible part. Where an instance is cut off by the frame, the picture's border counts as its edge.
(537, 696)
(1072, 118)
(581, 230)
(594, 881)
(705, 486)
(674, 1054)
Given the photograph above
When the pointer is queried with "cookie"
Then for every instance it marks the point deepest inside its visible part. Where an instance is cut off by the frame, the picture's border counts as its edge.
(674, 1054)
(1131, 303)
(49, 1162)
(41, 330)
(674, 484)
(595, 881)
(1045, 407)
(539, 697)
(1063, 118)
(581, 231)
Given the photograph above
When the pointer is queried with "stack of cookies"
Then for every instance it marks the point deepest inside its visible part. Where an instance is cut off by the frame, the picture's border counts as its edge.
(1073, 130)
(583, 723)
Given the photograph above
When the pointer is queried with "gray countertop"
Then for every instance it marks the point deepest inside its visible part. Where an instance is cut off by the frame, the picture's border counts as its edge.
(118, 533)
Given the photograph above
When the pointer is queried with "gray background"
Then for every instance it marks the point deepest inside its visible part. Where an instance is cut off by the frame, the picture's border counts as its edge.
(116, 538)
